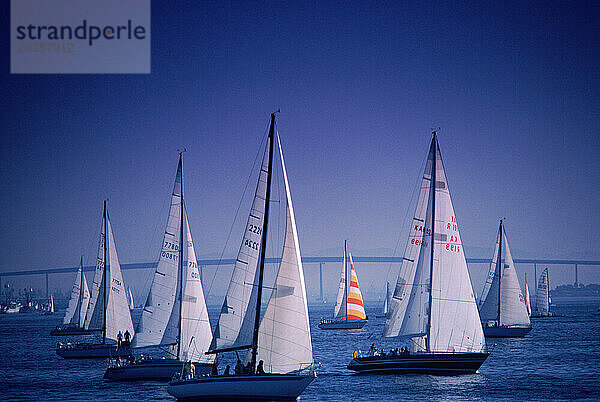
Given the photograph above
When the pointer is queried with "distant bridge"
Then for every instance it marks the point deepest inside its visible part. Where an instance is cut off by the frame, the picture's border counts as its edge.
(307, 260)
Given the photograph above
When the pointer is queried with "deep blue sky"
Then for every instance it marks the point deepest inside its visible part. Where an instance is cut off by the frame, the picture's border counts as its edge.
(514, 86)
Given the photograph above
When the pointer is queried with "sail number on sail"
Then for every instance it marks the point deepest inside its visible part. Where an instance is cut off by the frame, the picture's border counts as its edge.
(453, 237)
(254, 229)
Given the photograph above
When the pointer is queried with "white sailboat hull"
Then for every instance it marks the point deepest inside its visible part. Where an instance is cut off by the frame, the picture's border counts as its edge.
(268, 386)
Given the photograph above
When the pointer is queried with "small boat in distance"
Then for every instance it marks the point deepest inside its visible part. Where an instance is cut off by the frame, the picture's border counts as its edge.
(386, 301)
(280, 341)
(130, 299)
(542, 297)
(74, 320)
(502, 306)
(174, 315)
(50, 307)
(349, 312)
(433, 307)
(108, 310)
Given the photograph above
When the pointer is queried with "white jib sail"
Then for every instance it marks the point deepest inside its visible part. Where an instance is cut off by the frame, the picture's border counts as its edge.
(196, 333)
(488, 302)
(513, 309)
(454, 323)
(162, 298)
(51, 309)
(84, 302)
(236, 320)
(284, 341)
(341, 303)
(542, 303)
(72, 315)
(118, 316)
(527, 299)
(387, 298)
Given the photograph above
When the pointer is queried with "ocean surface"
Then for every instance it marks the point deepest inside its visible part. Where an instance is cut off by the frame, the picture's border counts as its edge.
(558, 360)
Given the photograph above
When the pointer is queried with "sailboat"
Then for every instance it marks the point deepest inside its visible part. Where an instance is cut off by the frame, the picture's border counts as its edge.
(108, 310)
(386, 302)
(50, 307)
(502, 306)
(527, 300)
(349, 312)
(74, 320)
(432, 307)
(280, 342)
(175, 314)
(542, 296)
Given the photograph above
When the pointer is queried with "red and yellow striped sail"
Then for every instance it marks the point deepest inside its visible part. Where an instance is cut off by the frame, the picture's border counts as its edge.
(355, 309)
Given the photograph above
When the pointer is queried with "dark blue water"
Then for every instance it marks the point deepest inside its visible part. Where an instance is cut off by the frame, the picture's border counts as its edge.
(559, 359)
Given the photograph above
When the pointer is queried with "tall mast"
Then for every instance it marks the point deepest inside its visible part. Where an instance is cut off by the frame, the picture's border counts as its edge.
(263, 244)
(104, 273)
(500, 268)
(345, 279)
(433, 180)
(180, 274)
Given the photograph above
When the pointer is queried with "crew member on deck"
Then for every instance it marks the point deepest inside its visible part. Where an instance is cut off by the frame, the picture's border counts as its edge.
(127, 337)
(119, 338)
(260, 369)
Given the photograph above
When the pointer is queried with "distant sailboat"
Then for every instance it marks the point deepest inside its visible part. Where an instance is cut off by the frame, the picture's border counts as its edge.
(280, 341)
(502, 306)
(108, 309)
(50, 306)
(349, 312)
(386, 302)
(433, 304)
(74, 320)
(175, 314)
(542, 296)
(130, 299)
(527, 301)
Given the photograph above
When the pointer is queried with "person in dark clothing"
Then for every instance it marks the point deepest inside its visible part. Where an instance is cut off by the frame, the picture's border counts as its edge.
(238, 367)
(127, 338)
(214, 370)
(226, 370)
(119, 338)
(260, 369)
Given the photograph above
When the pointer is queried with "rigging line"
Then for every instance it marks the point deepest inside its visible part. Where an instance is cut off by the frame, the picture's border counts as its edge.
(237, 211)
(404, 220)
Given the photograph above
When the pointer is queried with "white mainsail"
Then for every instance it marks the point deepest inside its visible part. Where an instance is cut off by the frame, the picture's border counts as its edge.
(513, 310)
(196, 333)
(51, 304)
(341, 303)
(115, 315)
(284, 341)
(386, 301)
(527, 300)
(450, 320)
(162, 300)
(542, 296)
(236, 320)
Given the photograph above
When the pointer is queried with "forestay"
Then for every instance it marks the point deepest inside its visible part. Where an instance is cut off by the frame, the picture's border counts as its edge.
(236, 320)
(284, 341)
(152, 329)
(454, 324)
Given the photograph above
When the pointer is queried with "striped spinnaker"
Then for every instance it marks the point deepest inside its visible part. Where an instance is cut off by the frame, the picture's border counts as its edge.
(356, 309)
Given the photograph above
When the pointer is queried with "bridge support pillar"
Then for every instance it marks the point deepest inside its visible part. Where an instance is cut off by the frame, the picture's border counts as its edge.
(576, 284)
(321, 281)
(47, 285)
